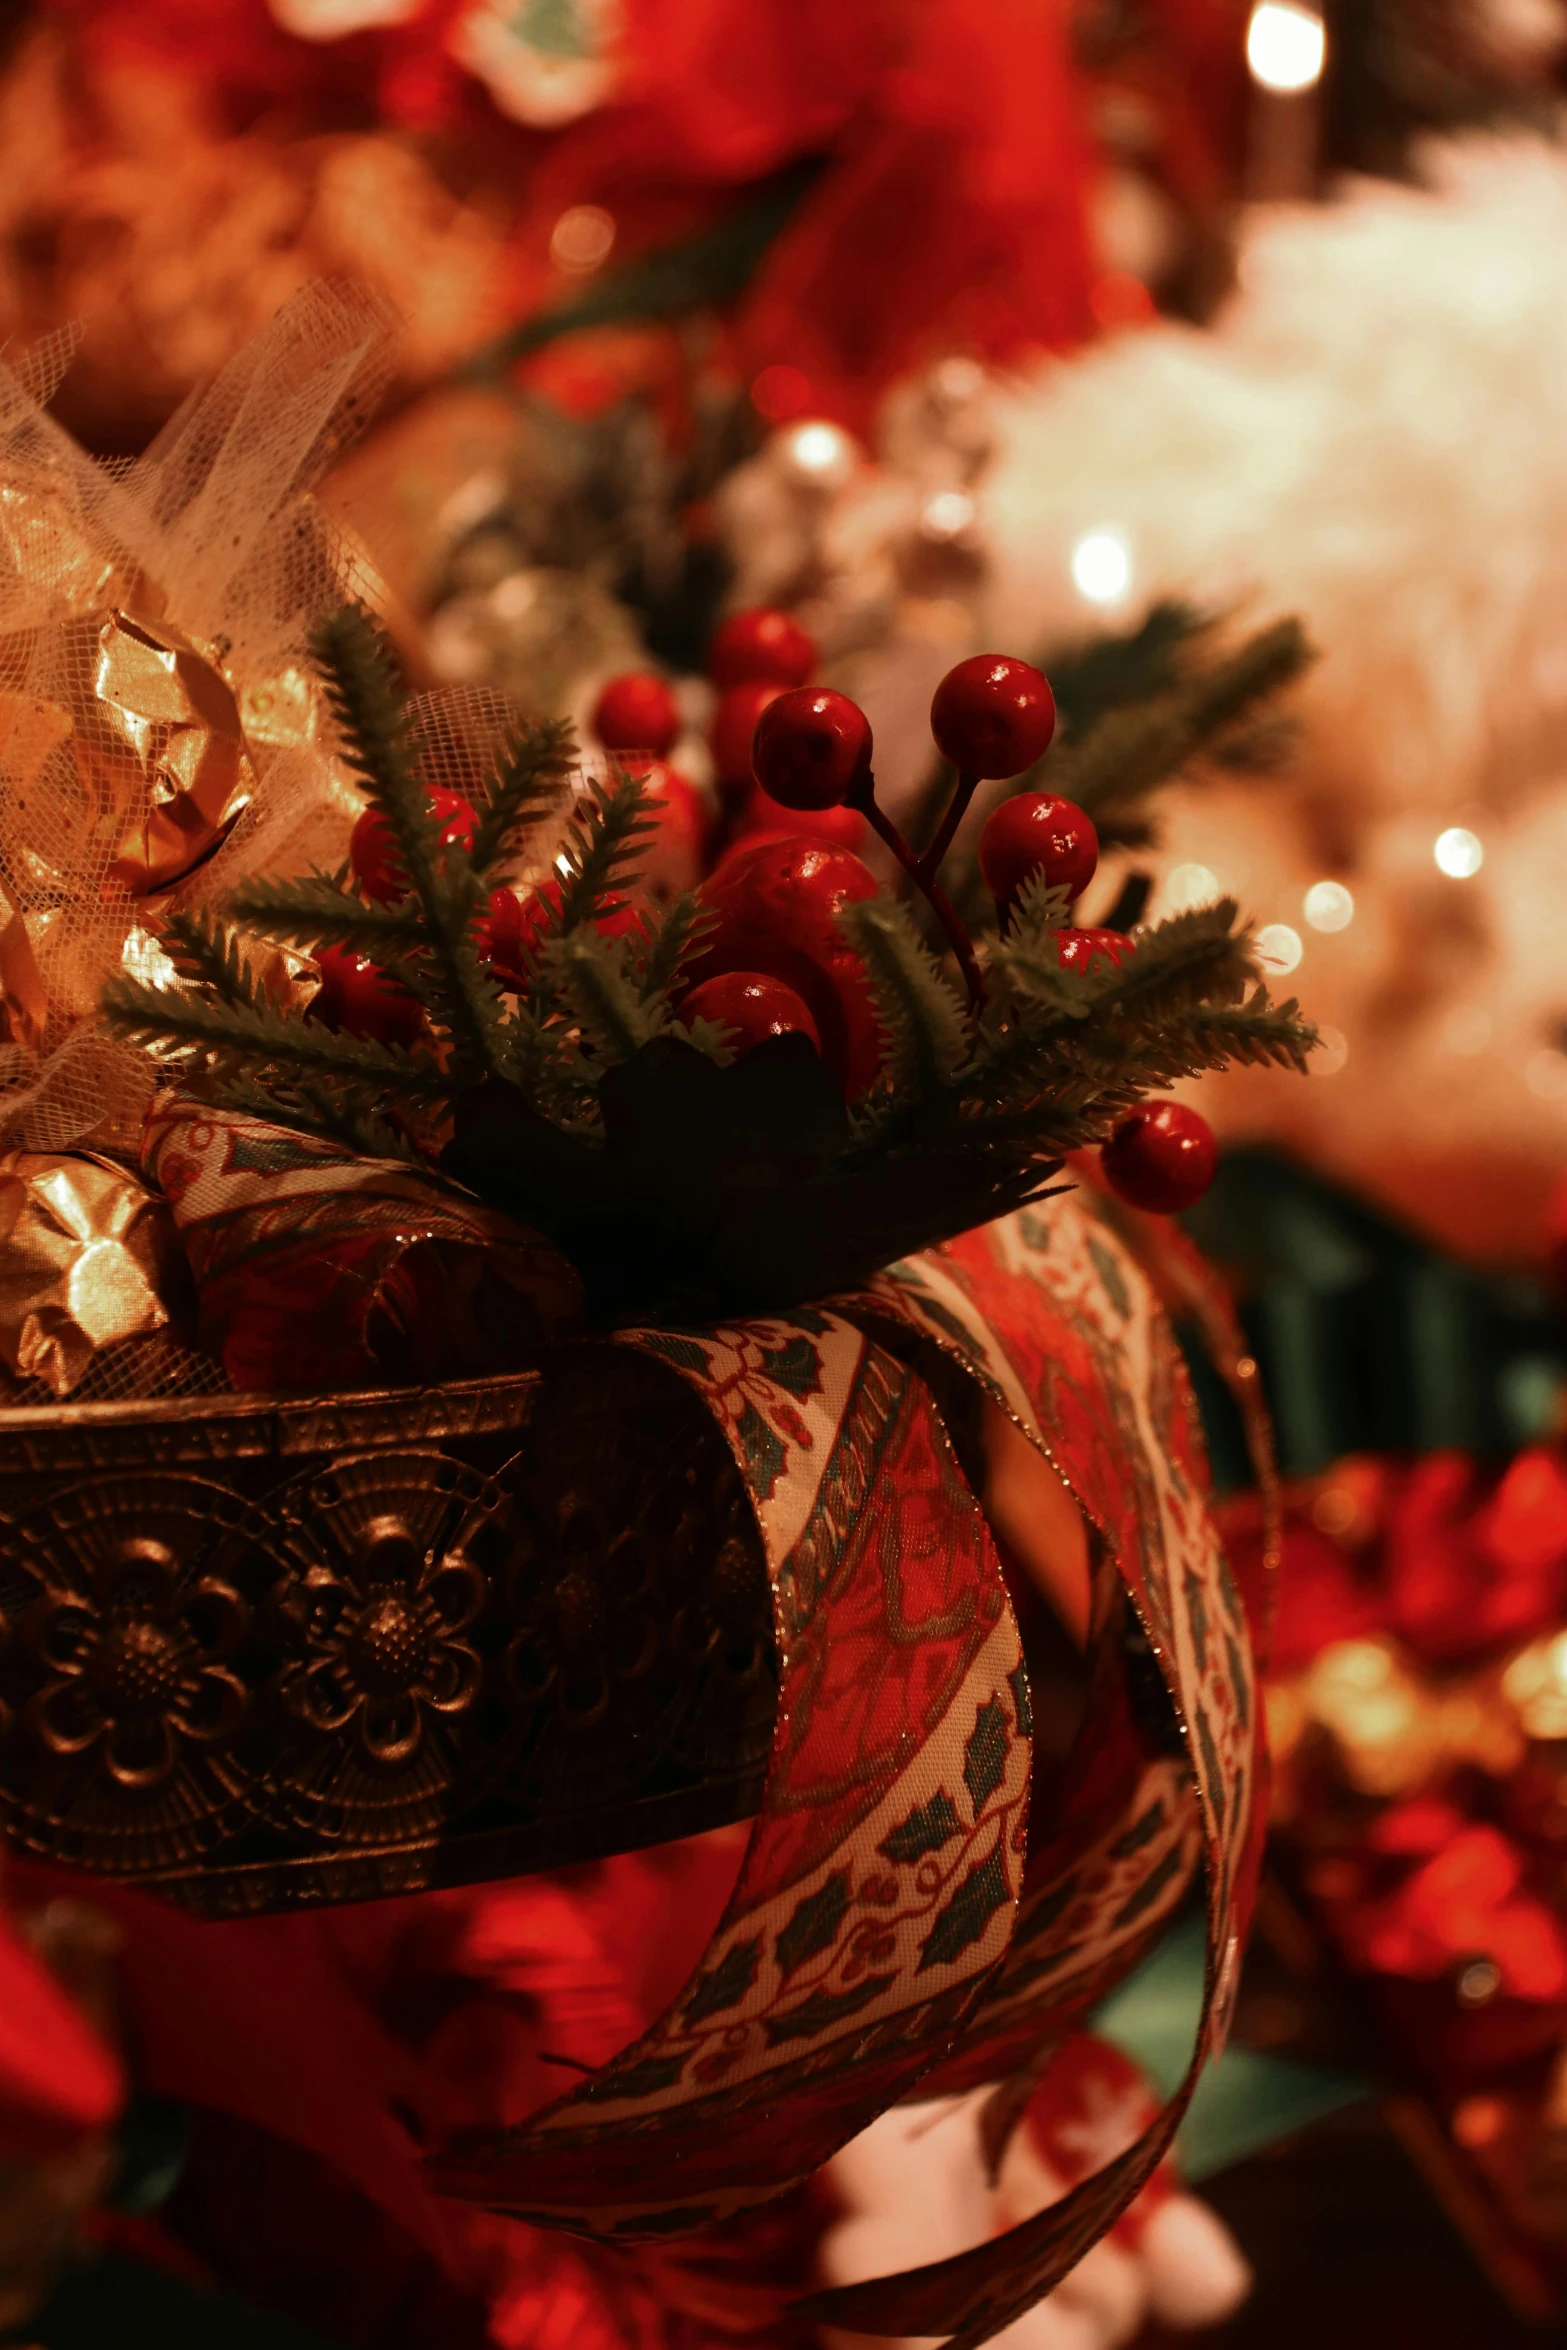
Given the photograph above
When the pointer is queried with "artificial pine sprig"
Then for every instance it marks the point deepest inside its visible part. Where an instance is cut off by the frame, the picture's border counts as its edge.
(452, 983)
(584, 1094)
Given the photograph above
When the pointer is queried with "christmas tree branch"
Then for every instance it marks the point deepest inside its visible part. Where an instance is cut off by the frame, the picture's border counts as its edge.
(364, 699)
(526, 786)
(602, 848)
(924, 1034)
(318, 911)
(674, 940)
(167, 1020)
(207, 952)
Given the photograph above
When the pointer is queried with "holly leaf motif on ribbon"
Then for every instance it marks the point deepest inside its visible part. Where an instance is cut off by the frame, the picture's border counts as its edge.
(967, 1914)
(823, 2009)
(814, 1925)
(645, 2079)
(985, 1755)
(928, 1827)
(724, 1985)
(684, 1353)
(796, 1366)
(1017, 1682)
(765, 1451)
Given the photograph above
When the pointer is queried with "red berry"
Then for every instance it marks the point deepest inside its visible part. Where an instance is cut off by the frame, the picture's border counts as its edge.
(812, 748)
(1035, 833)
(1080, 950)
(760, 644)
(501, 936)
(674, 857)
(356, 995)
(753, 1005)
(1161, 1157)
(372, 851)
(637, 712)
(734, 725)
(762, 819)
(993, 715)
(777, 903)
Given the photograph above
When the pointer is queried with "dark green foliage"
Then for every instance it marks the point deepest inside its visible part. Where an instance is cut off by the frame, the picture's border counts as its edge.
(679, 1180)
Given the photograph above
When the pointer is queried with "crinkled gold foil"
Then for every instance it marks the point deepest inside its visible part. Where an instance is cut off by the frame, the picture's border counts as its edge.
(83, 1252)
(176, 716)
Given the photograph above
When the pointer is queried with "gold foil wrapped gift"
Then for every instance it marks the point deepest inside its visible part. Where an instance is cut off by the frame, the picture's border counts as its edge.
(175, 715)
(84, 1251)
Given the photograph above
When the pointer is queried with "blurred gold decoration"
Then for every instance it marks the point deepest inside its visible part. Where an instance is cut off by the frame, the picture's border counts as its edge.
(1535, 1686)
(176, 715)
(1389, 1730)
(128, 207)
(83, 1250)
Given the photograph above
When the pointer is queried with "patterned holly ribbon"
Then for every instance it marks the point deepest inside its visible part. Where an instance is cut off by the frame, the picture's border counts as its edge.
(875, 1938)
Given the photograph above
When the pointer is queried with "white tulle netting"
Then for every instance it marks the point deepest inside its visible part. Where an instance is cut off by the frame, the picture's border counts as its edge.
(211, 541)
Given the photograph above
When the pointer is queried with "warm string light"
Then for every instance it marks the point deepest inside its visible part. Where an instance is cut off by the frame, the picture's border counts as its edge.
(582, 239)
(1458, 852)
(1328, 906)
(1286, 46)
(1101, 566)
(1278, 947)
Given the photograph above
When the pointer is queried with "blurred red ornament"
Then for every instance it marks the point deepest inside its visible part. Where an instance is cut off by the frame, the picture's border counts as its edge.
(811, 748)
(993, 716)
(754, 1005)
(734, 728)
(1035, 835)
(373, 854)
(760, 644)
(1162, 1157)
(675, 853)
(637, 712)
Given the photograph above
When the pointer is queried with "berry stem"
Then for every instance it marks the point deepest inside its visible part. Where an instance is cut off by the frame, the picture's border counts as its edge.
(957, 809)
(940, 904)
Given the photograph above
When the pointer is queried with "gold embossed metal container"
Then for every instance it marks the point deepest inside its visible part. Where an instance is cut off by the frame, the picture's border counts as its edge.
(259, 1652)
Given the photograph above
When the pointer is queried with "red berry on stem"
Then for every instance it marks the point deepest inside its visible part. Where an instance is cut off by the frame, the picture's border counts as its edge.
(1080, 950)
(812, 748)
(734, 725)
(637, 712)
(372, 851)
(754, 1005)
(1036, 833)
(761, 643)
(356, 995)
(777, 904)
(993, 716)
(1161, 1157)
(501, 936)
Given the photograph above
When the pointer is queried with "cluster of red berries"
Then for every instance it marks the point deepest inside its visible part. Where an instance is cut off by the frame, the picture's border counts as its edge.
(774, 961)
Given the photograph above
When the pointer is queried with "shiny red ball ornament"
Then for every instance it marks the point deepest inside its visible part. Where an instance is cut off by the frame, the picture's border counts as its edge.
(372, 851)
(637, 712)
(812, 748)
(754, 1005)
(777, 904)
(357, 996)
(1161, 1157)
(1036, 833)
(760, 645)
(993, 716)
(1080, 950)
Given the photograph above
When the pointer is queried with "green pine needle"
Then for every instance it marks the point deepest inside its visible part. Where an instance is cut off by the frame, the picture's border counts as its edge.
(528, 784)
(602, 850)
(174, 1020)
(923, 1029)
